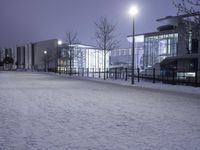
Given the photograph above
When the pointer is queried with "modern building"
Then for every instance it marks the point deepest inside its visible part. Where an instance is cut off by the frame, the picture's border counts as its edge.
(81, 56)
(32, 57)
(173, 47)
(122, 58)
(52, 56)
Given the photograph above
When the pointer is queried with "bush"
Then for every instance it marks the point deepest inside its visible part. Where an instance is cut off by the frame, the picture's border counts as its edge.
(8, 60)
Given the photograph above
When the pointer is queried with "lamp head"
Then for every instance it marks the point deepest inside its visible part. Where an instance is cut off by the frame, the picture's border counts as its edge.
(133, 11)
(59, 42)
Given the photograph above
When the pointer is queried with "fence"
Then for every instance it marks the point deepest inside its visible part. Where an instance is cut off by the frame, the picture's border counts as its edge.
(171, 76)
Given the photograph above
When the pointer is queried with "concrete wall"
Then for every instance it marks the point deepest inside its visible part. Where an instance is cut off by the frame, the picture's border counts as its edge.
(51, 47)
(28, 57)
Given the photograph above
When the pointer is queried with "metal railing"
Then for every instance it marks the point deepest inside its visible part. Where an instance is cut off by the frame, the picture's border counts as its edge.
(173, 76)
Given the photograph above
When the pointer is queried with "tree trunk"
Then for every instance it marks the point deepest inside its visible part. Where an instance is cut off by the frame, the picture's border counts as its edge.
(70, 62)
(104, 64)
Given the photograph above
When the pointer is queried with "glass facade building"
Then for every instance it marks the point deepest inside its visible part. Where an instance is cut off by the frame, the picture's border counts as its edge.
(157, 47)
(122, 58)
(82, 56)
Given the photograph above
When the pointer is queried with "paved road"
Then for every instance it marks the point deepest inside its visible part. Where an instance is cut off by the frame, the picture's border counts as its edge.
(39, 112)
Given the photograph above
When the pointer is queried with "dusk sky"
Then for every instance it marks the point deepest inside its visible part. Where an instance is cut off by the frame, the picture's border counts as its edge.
(24, 21)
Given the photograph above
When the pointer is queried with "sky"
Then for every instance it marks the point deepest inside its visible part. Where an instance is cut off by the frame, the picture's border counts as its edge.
(25, 21)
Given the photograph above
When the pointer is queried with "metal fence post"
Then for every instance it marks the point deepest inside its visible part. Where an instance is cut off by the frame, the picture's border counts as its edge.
(70, 71)
(107, 73)
(82, 72)
(99, 72)
(126, 78)
(138, 73)
(196, 78)
(93, 72)
(87, 72)
(123, 73)
(154, 70)
(115, 73)
(173, 78)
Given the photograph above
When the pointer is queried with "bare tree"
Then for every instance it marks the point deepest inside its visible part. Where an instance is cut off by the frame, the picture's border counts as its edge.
(190, 8)
(71, 39)
(105, 37)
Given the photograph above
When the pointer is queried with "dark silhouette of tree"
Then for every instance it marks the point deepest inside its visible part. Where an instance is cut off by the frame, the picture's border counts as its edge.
(71, 40)
(105, 37)
(191, 10)
(8, 60)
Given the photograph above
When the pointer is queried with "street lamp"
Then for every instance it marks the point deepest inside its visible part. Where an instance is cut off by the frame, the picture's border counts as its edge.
(133, 12)
(60, 42)
(45, 60)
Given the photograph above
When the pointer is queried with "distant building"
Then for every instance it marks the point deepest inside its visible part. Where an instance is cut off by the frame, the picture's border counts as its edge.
(31, 56)
(82, 56)
(122, 58)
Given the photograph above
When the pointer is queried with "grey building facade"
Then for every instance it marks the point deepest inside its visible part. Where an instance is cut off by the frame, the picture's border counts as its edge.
(32, 57)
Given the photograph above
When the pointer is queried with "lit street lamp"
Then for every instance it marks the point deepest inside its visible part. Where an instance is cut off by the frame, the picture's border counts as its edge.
(45, 61)
(60, 42)
(133, 12)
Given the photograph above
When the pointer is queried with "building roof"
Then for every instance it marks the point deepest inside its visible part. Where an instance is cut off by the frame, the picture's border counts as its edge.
(83, 46)
(174, 20)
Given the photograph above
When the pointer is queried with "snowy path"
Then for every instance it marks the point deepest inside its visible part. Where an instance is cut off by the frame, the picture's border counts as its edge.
(44, 112)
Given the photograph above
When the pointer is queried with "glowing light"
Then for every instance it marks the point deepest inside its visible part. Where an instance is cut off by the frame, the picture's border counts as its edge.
(133, 11)
(59, 42)
(45, 52)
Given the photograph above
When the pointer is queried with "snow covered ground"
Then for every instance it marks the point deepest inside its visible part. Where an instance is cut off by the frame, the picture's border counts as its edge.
(142, 84)
(40, 112)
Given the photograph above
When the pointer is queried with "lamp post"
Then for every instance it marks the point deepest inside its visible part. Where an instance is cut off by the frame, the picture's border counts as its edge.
(60, 43)
(70, 61)
(45, 60)
(133, 12)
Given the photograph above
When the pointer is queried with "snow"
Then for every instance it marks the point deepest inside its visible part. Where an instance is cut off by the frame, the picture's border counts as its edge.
(41, 111)
(181, 89)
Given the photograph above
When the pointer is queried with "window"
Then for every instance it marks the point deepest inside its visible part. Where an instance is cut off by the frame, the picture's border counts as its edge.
(159, 47)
